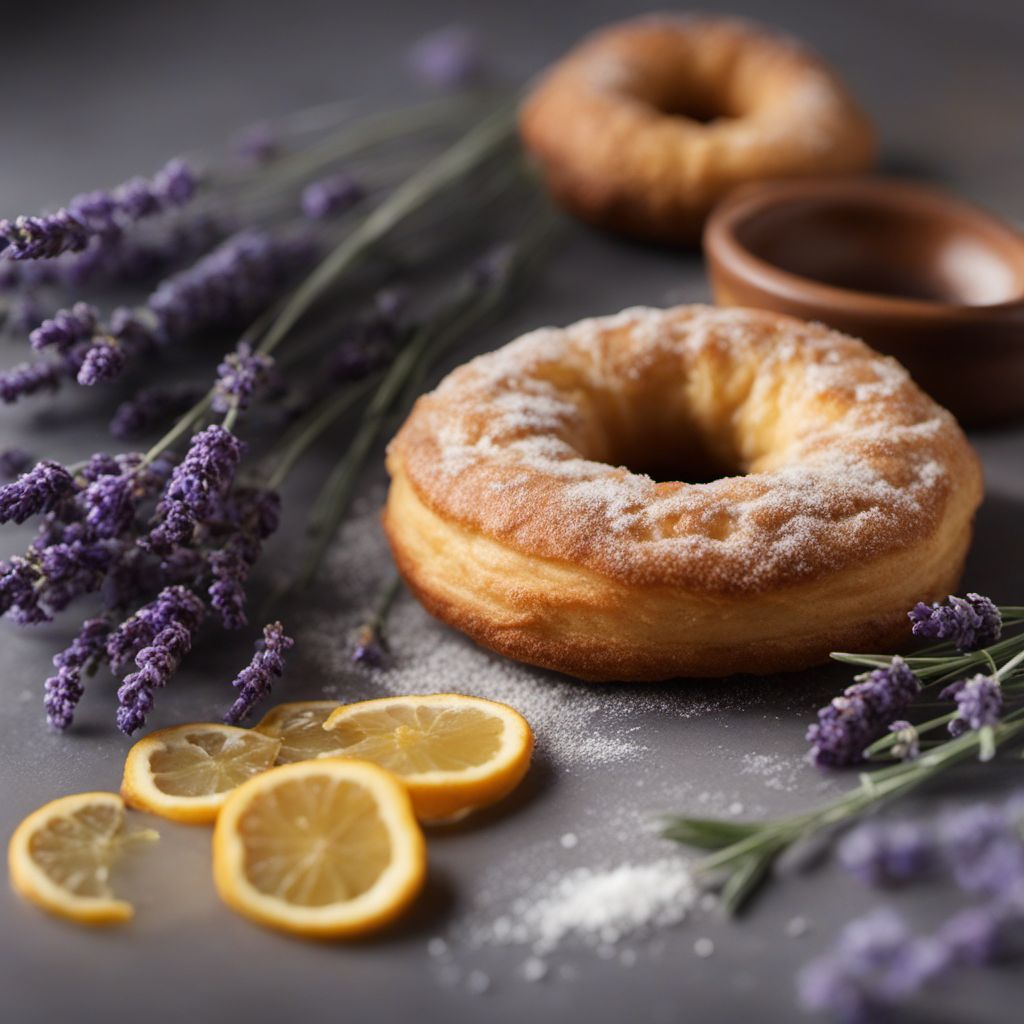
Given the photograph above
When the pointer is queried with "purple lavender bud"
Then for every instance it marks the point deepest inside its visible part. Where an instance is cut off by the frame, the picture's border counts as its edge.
(14, 461)
(20, 592)
(869, 943)
(64, 690)
(331, 196)
(229, 285)
(41, 489)
(850, 723)
(156, 664)
(449, 58)
(103, 361)
(254, 681)
(175, 183)
(968, 623)
(888, 854)
(974, 936)
(369, 648)
(97, 209)
(227, 593)
(151, 407)
(913, 967)
(979, 702)
(195, 487)
(172, 604)
(136, 199)
(130, 329)
(39, 238)
(31, 378)
(258, 144)
(66, 328)
(826, 986)
(110, 504)
(241, 374)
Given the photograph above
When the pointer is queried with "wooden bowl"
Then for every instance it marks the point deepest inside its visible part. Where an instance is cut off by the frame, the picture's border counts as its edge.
(916, 273)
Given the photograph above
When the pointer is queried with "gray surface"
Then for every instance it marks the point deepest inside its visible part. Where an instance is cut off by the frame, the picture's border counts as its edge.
(103, 90)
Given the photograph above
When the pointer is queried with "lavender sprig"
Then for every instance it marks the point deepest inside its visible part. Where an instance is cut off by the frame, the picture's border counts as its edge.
(41, 489)
(64, 690)
(255, 680)
(967, 622)
(156, 664)
(89, 214)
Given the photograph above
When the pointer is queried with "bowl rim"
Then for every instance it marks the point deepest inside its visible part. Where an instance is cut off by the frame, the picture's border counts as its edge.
(722, 244)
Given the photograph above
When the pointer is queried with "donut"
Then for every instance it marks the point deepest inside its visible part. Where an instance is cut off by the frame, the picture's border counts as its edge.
(827, 494)
(648, 123)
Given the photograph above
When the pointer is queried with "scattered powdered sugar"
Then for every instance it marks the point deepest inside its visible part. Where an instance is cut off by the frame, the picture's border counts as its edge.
(577, 724)
(595, 908)
(777, 772)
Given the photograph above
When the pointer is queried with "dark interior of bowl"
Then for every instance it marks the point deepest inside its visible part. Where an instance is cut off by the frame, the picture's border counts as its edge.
(889, 246)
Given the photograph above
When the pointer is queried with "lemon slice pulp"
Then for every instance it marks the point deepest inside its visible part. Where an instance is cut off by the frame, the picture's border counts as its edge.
(60, 857)
(299, 727)
(326, 848)
(454, 753)
(185, 773)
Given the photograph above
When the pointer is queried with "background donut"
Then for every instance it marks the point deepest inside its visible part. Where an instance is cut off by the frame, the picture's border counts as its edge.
(647, 124)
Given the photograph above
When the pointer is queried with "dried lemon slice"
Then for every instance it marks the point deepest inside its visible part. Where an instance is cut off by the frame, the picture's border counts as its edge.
(299, 726)
(454, 753)
(186, 772)
(60, 857)
(324, 849)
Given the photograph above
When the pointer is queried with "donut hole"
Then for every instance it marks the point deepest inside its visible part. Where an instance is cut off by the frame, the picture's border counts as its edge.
(660, 432)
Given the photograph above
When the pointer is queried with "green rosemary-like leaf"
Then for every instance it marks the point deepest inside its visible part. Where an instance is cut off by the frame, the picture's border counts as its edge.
(739, 868)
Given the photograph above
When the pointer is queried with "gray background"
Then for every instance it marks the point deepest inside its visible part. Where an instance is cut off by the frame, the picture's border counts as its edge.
(94, 92)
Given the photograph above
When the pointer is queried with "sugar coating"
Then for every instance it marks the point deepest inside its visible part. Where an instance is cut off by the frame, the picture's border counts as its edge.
(842, 456)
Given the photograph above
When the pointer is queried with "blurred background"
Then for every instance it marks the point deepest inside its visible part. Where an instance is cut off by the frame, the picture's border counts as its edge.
(95, 90)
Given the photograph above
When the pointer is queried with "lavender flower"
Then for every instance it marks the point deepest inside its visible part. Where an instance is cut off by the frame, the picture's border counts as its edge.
(66, 328)
(39, 490)
(968, 623)
(30, 378)
(888, 854)
(255, 515)
(14, 461)
(92, 213)
(258, 144)
(176, 604)
(150, 407)
(254, 681)
(979, 703)
(203, 477)
(239, 376)
(64, 690)
(19, 593)
(110, 503)
(850, 723)
(156, 664)
(228, 285)
(370, 648)
(38, 238)
(103, 361)
(331, 196)
(449, 58)
(975, 936)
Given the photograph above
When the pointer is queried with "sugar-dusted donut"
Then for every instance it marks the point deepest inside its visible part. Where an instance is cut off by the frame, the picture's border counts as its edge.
(839, 494)
(647, 124)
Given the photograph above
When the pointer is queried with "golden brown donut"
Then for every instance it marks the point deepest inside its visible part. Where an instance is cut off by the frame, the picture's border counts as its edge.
(513, 519)
(647, 124)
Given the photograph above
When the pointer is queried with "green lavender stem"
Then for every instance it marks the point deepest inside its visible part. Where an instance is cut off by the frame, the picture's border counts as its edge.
(454, 163)
(745, 851)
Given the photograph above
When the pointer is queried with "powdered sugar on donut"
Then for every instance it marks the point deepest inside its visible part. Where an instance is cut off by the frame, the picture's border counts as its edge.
(841, 456)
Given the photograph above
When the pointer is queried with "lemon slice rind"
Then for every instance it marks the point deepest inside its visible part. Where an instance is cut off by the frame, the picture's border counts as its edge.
(392, 890)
